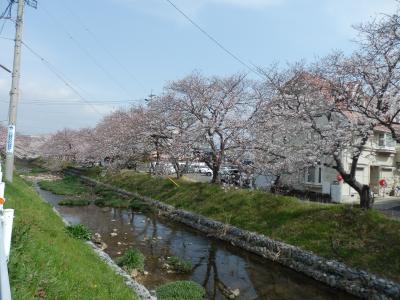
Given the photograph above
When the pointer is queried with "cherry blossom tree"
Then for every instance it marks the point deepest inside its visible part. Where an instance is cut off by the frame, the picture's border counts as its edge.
(220, 109)
(172, 131)
(300, 125)
(368, 82)
(3, 137)
(62, 145)
(120, 138)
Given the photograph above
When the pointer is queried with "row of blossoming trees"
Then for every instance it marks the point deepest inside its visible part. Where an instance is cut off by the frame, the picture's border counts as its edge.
(291, 119)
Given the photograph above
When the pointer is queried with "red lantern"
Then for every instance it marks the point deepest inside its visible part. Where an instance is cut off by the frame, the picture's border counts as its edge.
(382, 182)
(339, 178)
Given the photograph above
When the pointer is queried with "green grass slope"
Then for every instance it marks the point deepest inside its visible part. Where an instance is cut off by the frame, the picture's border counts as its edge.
(46, 262)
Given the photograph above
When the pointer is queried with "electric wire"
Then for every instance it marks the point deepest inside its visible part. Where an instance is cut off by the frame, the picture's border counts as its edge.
(61, 77)
(214, 40)
(105, 49)
(71, 102)
(7, 11)
(86, 52)
(2, 26)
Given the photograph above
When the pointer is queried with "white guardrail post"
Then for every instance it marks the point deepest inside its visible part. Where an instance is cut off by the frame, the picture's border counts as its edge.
(6, 222)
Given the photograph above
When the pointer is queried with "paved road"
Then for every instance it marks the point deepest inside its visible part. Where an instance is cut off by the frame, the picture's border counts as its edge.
(389, 206)
(198, 177)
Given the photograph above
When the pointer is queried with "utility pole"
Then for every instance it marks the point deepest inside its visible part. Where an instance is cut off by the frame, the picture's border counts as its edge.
(14, 93)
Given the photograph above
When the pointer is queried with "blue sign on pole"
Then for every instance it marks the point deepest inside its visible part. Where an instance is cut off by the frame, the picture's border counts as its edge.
(10, 139)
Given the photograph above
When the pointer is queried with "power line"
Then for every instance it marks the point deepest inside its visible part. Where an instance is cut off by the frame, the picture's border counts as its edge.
(87, 53)
(2, 26)
(6, 38)
(214, 40)
(73, 102)
(59, 76)
(105, 49)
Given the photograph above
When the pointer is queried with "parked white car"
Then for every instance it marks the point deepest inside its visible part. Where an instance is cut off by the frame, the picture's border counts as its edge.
(206, 171)
(196, 166)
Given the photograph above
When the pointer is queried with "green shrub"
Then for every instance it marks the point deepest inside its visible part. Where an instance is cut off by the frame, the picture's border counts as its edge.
(69, 185)
(179, 265)
(74, 202)
(180, 290)
(100, 202)
(112, 202)
(79, 231)
(132, 259)
(110, 198)
(140, 206)
(93, 171)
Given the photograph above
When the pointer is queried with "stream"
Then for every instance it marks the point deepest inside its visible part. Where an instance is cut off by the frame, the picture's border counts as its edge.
(217, 264)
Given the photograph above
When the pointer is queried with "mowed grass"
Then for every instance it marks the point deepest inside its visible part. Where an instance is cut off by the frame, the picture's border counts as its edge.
(46, 262)
(363, 239)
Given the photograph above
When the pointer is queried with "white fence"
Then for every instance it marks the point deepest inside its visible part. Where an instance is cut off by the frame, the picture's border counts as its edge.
(6, 222)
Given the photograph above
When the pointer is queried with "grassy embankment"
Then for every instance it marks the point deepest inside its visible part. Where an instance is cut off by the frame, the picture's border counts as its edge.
(48, 263)
(364, 239)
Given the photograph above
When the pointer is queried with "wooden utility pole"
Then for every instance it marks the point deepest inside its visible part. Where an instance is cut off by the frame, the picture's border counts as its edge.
(14, 93)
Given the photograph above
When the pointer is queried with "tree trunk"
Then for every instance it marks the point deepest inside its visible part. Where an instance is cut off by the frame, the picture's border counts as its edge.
(178, 171)
(275, 186)
(365, 197)
(215, 175)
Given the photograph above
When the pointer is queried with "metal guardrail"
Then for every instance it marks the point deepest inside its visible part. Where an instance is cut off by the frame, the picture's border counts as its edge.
(6, 223)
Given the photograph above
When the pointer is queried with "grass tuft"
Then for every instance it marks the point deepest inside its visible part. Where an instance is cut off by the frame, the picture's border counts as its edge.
(180, 290)
(108, 198)
(74, 202)
(132, 259)
(140, 206)
(179, 265)
(79, 231)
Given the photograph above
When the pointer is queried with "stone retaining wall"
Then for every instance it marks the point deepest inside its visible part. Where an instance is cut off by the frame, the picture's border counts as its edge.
(333, 273)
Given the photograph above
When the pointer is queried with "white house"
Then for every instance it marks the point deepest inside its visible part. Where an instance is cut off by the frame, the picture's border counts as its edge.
(380, 159)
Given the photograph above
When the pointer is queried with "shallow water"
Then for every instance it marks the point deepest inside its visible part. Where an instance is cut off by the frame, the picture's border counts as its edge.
(217, 265)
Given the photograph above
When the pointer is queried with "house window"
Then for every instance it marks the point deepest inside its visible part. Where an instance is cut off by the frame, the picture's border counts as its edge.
(381, 140)
(386, 140)
(313, 175)
(319, 175)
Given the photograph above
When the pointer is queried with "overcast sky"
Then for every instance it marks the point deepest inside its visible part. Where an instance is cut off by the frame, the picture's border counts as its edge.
(115, 52)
